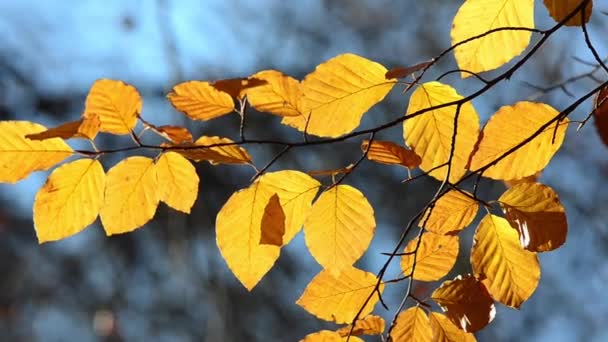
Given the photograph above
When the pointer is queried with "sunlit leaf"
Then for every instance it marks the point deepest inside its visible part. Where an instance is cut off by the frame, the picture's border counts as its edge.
(510, 126)
(510, 273)
(177, 181)
(435, 256)
(20, 156)
(226, 151)
(115, 103)
(430, 134)
(368, 325)
(338, 93)
(338, 298)
(83, 128)
(495, 49)
(387, 152)
(412, 325)
(131, 195)
(273, 223)
(280, 95)
(445, 331)
(328, 336)
(466, 302)
(559, 9)
(451, 214)
(340, 227)
(200, 100)
(70, 200)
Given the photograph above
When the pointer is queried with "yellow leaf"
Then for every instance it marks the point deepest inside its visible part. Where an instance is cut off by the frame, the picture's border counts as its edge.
(445, 331)
(273, 223)
(337, 94)
(328, 336)
(510, 273)
(20, 156)
(177, 181)
(227, 152)
(559, 9)
(340, 227)
(200, 100)
(509, 127)
(430, 134)
(466, 302)
(238, 224)
(116, 105)
(131, 195)
(387, 152)
(82, 128)
(412, 325)
(279, 96)
(435, 257)
(535, 211)
(529, 179)
(451, 214)
(368, 325)
(338, 298)
(70, 200)
(495, 49)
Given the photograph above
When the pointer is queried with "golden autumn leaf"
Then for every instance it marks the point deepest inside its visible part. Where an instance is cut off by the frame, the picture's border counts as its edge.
(177, 181)
(328, 336)
(445, 331)
(476, 17)
(116, 105)
(237, 87)
(131, 195)
(200, 100)
(430, 134)
(600, 114)
(338, 298)
(368, 325)
(83, 128)
(435, 257)
(338, 93)
(535, 211)
(339, 228)
(70, 200)
(451, 214)
(387, 152)
(559, 9)
(279, 96)
(227, 152)
(20, 156)
(238, 224)
(510, 126)
(412, 325)
(273, 223)
(466, 302)
(509, 272)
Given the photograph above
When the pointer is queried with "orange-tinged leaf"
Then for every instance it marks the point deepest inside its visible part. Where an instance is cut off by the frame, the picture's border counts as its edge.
(435, 257)
(200, 100)
(177, 181)
(328, 336)
(237, 87)
(412, 325)
(388, 152)
(338, 298)
(451, 214)
(338, 93)
(368, 325)
(70, 200)
(430, 134)
(83, 128)
(445, 331)
(176, 134)
(131, 195)
(509, 272)
(116, 105)
(238, 224)
(535, 211)
(227, 152)
(401, 72)
(559, 9)
(20, 156)
(279, 96)
(340, 227)
(273, 223)
(466, 302)
(495, 49)
(509, 127)
(600, 114)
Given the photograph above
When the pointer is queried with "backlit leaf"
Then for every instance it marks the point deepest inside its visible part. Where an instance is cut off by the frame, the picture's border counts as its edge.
(535, 211)
(328, 336)
(176, 134)
(559, 9)
(466, 302)
(115, 103)
(337, 94)
(177, 181)
(495, 49)
(83, 128)
(445, 331)
(510, 273)
(237, 87)
(227, 152)
(338, 298)
(387, 152)
(368, 325)
(70, 200)
(430, 134)
(20, 156)
(340, 227)
(280, 95)
(451, 214)
(200, 100)
(131, 195)
(510, 126)
(435, 257)
(273, 223)
(412, 325)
